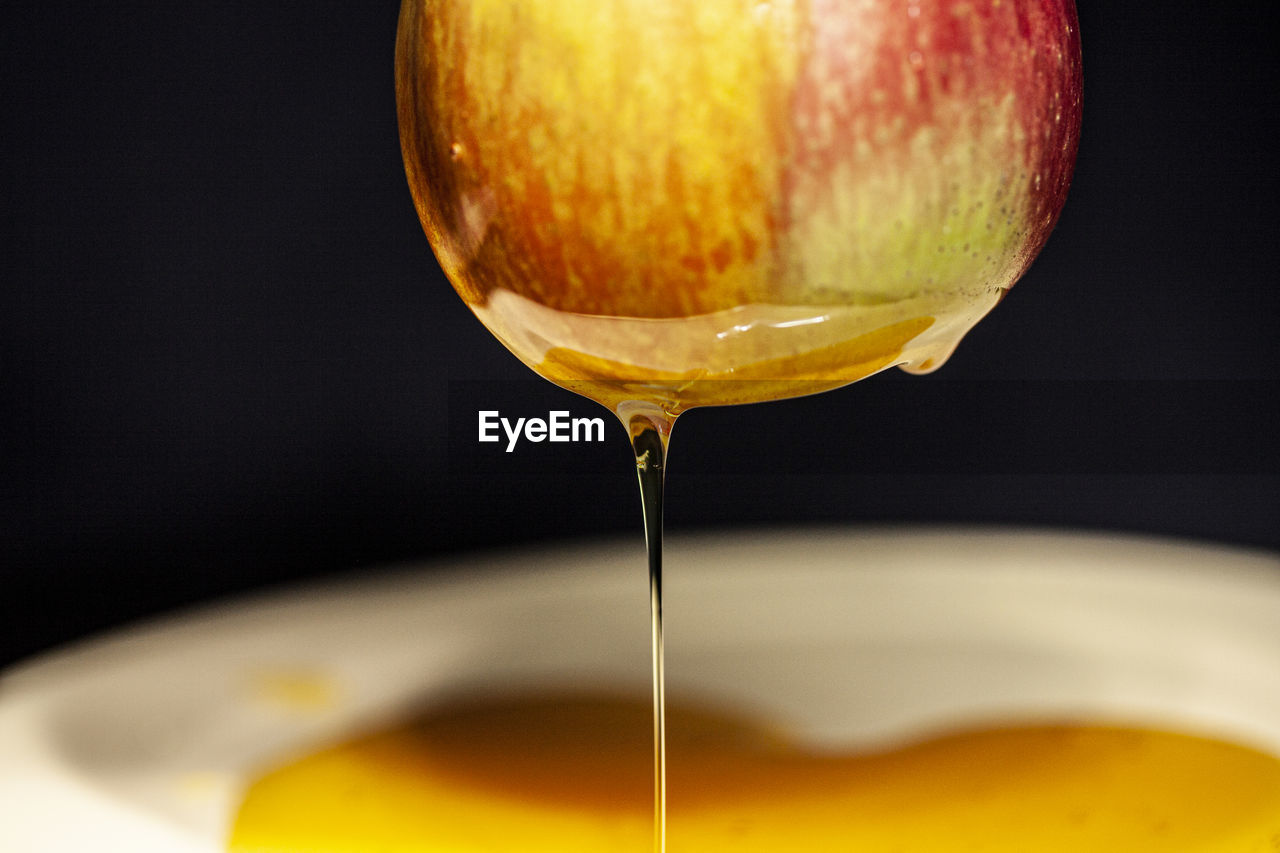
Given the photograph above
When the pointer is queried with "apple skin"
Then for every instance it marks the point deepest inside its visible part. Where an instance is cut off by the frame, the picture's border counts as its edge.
(661, 158)
(665, 204)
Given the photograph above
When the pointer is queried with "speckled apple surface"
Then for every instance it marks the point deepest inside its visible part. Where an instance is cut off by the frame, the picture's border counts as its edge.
(900, 162)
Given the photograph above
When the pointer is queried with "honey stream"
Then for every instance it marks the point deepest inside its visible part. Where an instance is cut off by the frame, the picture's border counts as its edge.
(649, 370)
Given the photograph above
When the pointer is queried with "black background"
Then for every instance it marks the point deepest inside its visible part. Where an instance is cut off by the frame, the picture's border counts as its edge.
(228, 359)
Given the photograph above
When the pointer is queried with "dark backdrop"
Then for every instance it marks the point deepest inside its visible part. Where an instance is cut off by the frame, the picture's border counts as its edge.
(228, 359)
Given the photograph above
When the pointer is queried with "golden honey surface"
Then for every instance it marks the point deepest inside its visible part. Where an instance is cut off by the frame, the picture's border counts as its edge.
(572, 774)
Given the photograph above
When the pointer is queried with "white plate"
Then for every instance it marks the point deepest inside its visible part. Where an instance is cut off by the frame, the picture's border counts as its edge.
(143, 741)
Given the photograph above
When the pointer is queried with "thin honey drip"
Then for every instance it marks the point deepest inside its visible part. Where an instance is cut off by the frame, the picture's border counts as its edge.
(649, 440)
(573, 775)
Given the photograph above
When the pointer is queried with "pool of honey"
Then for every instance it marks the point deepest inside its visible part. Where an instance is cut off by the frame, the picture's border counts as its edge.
(571, 774)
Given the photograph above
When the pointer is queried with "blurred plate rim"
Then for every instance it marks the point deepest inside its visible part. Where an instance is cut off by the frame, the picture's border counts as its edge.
(54, 804)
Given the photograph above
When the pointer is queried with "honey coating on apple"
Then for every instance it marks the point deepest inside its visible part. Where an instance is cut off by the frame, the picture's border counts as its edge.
(571, 775)
(727, 201)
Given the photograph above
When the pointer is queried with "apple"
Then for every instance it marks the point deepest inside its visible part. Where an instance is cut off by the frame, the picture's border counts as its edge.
(639, 160)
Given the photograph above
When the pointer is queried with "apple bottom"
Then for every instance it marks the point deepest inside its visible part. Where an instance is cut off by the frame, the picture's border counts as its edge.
(747, 354)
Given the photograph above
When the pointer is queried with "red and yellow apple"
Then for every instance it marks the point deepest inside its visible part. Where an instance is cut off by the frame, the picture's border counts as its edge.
(584, 168)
